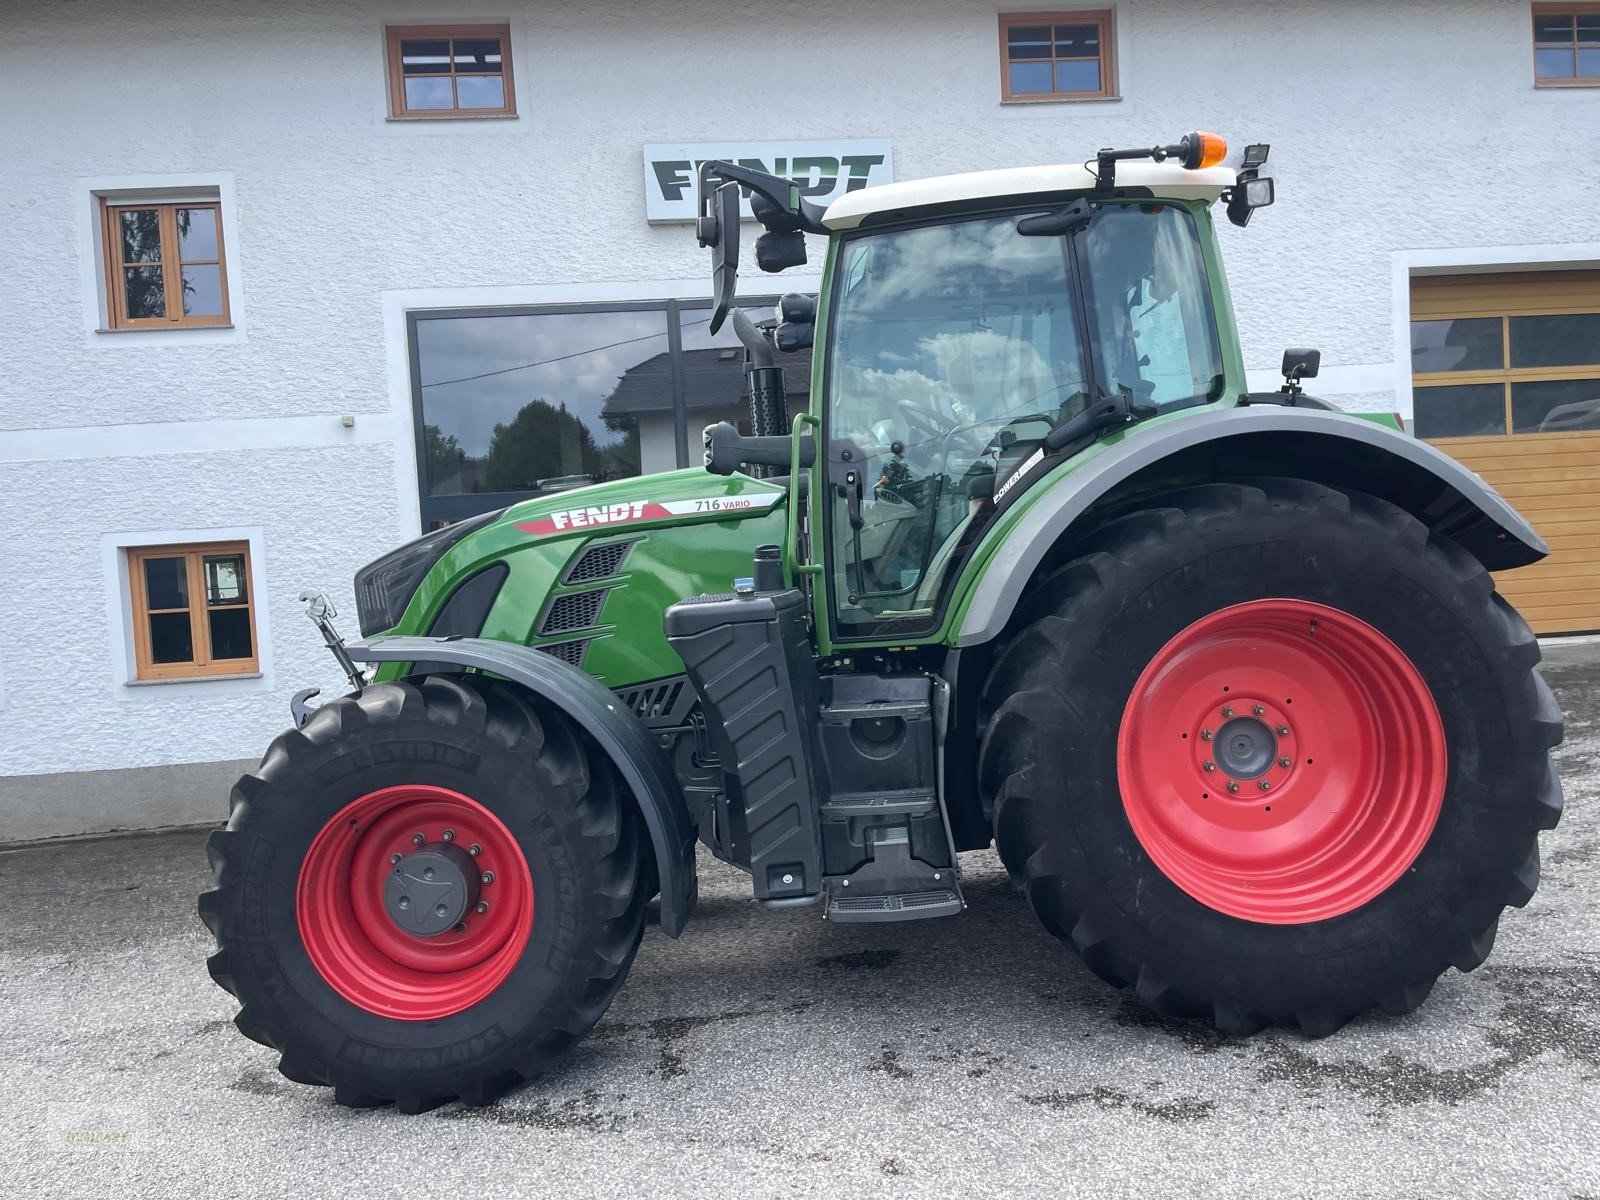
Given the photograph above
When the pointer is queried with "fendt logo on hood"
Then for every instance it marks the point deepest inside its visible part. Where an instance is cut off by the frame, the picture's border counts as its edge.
(628, 511)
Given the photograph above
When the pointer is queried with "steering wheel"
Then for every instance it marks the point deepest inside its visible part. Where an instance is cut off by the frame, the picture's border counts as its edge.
(924, 418)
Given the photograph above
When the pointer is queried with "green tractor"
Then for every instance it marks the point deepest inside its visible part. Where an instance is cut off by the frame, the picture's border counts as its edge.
(1221, 674)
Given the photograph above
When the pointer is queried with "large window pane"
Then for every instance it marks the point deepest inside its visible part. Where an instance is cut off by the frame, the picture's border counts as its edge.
(1461, 345)
(477, 54)
(166, 583)
(1560, 341)
(1556, 406)
(1030, 78)
(523, 402)
(225, 579)
(145, 292)
(1589, 64)
(1552, 27)
(1471, 410)
(713, 379)
(1077, 41)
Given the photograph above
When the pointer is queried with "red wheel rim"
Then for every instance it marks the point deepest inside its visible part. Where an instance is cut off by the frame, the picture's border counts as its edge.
(1352, 785)
(348, 931)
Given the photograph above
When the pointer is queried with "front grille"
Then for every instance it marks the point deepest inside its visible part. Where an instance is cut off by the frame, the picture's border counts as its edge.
(570, 653)
(579, 610)
(598, 562)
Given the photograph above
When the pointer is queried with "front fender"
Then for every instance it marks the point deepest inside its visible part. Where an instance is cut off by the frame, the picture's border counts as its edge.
(1326, 447)
(620, 735)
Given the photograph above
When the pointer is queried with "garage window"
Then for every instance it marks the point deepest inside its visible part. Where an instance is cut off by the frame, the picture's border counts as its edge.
(1506, 354)
(193, 614)
(1566, 45)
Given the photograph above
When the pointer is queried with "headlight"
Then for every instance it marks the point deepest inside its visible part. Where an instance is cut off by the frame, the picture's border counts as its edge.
(385, 586)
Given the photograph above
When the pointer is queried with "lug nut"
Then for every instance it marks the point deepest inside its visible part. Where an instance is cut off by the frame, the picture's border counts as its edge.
(1227, 712)
(1265, 785)
(404, 902)
(488, 876)
(483, 906)
(460, 927)
(394, 860)
(1233, 785)
(1205, 735)
(474, 849)
(439, 910)
(417, 839)
(1284, 761)
(1258, 710)
(1209, 765)
(1283, 731)
(449, 835)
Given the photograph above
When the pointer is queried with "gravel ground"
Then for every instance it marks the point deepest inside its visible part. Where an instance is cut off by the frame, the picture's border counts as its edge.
(772, 1055)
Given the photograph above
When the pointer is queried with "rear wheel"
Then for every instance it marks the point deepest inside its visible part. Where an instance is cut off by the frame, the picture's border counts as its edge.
(1271, 753)
(430, 892)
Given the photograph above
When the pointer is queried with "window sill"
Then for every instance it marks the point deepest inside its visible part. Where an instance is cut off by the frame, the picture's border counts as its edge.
(191, 679)
(1556, 85)
(170, 329)
(1025, 100)
(428, 118)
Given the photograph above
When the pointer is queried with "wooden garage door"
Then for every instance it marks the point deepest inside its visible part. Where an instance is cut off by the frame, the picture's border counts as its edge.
(1506, 371)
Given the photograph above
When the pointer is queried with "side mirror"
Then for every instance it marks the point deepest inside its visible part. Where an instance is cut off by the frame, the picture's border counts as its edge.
(1301, 364)
(718, 227)
(776, 251)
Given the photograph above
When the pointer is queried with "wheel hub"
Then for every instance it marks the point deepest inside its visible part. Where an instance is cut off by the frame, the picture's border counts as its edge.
(1246, 747)
(431, 890)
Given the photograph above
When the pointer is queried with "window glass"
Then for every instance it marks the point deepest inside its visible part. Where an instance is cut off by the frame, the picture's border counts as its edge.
(1065, 59)
(1472, 344)
(166, 583)
(141, 234)
(1556, 341)
(433, 71)
(1555, 406)
(523, 402)
(1470, 410)
(1157, 338)
(713, 376)
(169, 265)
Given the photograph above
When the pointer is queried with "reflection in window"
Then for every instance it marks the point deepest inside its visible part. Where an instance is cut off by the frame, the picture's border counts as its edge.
(518, 403)
(1459, 410)
(176, 636)
(1056, 56)
(164, 265)
(447, 71)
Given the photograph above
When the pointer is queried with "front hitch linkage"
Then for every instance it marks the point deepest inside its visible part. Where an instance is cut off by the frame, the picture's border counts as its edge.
(320, 611)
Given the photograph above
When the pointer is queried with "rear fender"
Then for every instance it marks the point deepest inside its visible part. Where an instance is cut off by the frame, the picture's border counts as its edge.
(1326, 447)
(619, 734)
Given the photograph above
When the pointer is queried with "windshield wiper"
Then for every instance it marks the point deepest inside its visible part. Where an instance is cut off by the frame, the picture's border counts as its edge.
(1107, 412)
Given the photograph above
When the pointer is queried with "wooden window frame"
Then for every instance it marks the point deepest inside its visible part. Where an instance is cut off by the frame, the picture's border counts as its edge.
(1105, 18)
(203, 666)
(170, 263)
(1512, 294)
(1565, 10)
(394, 34)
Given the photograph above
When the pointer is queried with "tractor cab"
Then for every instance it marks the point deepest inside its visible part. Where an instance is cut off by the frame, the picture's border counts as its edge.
(975, 330)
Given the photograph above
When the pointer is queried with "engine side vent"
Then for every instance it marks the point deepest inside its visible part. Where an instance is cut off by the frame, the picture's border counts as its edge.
(570, 653)
(577, 610)
(598, 562)
(665, 702)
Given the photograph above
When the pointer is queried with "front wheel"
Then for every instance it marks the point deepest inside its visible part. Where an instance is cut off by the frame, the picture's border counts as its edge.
(1270, 752)
(430, 892)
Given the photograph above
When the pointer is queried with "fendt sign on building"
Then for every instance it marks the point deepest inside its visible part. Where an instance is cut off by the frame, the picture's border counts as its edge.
(825, 170)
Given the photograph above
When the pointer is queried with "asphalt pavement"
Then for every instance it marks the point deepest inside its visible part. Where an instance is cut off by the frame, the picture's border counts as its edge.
(770, 1054)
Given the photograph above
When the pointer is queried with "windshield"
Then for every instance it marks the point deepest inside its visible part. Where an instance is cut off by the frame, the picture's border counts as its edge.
(957, 347)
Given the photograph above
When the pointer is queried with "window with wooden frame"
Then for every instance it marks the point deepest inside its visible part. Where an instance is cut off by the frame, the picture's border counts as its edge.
(164, 265)
(1057, 56)
(1508, 353)
(450, 71)
(193, 614)
(1566, 45)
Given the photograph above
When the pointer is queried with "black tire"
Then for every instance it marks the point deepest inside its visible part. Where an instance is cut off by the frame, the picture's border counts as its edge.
(1055, 699)
(560, 801)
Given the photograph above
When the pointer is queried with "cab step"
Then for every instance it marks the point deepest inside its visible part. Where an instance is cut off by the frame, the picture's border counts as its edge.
(892, 885)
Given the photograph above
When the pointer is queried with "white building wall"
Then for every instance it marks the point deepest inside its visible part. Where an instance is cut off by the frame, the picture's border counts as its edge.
(1403, 134)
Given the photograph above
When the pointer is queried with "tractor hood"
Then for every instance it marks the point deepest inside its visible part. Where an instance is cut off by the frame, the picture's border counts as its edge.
(673, 496)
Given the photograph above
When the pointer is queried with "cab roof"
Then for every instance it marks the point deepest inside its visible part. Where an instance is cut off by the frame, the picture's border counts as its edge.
(1166, 180)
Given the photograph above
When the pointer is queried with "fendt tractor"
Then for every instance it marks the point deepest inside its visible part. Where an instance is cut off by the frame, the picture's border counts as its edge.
(1221, 673)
